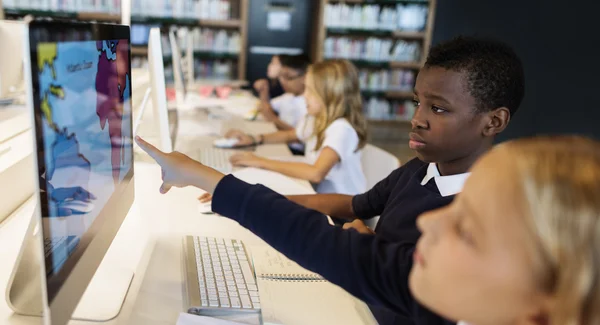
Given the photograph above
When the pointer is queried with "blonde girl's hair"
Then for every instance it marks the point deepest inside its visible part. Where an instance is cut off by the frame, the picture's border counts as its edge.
(335, 82)
(560, 180)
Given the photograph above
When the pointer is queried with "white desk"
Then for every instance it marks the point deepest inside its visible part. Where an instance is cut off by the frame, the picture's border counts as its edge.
(149, 244)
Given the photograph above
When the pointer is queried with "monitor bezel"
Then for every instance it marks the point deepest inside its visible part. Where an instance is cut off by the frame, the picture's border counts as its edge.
(65, 288)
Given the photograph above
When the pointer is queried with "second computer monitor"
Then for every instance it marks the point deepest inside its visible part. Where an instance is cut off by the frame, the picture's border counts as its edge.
(158, 91)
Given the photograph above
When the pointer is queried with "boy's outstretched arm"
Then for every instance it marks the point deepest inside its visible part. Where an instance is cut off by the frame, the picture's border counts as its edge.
(370, 268)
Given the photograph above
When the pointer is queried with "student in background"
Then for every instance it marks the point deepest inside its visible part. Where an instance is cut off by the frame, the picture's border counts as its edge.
(271, 82)
(518, 246)
(289, 109)
(334, 133)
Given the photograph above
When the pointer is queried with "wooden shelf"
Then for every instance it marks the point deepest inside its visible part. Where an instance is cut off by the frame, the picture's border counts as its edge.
(378, 2)
(405, 65)
(390, 94)
(396, 94)
(99, 16)
(371, 64)
(388, 122)
(232, 23)
(139, 50)
(39, 13)
(408, 35)
(86, 16)
(375, 32)
(163, 20)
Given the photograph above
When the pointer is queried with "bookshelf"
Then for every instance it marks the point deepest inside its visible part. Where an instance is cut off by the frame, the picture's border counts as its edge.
(237, 22)
(383, 24)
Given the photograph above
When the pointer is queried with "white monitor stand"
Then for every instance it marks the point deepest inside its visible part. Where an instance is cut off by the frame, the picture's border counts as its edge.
(26, 292)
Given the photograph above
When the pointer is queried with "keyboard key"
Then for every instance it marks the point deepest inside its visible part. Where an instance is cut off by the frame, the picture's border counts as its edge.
(213, 303)
(254, 299)
(252, 287)
(224, 302)
(253, 293)
(246, 303)
(235, 303)
(248, 275)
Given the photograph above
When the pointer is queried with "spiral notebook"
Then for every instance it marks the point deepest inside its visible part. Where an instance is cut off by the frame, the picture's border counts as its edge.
(269, 264)
(293, 295)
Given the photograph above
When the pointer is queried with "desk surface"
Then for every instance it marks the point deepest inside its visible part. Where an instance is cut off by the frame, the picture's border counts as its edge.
(149, 243)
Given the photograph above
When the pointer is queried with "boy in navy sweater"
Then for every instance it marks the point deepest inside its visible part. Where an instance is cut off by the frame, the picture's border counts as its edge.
(465, 94)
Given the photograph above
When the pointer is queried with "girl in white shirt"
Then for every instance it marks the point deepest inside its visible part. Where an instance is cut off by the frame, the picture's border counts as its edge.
(334, 132)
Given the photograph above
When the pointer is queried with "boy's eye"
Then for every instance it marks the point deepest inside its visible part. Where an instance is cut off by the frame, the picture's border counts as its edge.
(437, 109)
(416, 102)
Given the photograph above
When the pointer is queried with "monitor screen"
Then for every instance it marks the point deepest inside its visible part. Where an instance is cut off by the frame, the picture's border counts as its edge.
(140, 34)
(82, 104)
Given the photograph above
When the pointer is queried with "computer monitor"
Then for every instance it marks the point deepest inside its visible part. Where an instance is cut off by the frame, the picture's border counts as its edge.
(180, 84)
(81, 96)
(158, 94)
(11, 78)
(140, 34)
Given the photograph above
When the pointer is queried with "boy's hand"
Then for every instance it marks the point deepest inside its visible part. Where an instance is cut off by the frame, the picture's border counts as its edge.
(359, 226)
(246, 159)
(178, 169)
(205, 198)
(243, 138)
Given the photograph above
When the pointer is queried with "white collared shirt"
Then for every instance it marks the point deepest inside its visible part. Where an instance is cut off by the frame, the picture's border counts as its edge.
(447, 185)
(291, 109)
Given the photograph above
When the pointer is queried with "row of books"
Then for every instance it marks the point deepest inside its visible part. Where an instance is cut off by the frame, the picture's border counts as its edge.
(203, 69)
(103, 6)
(386, 80)
(382, 109)
(372, 49)
(218, 41)
(189, 9)
(409, 17)
(205, 40)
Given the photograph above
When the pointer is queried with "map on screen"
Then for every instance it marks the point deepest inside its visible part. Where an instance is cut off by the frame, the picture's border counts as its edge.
(86, 127)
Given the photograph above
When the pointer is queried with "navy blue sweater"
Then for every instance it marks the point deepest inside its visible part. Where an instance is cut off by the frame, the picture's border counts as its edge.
(399, 199)
(369, 267)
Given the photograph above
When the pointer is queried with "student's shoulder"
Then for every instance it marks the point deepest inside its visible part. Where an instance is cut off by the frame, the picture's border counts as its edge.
(340, 124)
(282, 98)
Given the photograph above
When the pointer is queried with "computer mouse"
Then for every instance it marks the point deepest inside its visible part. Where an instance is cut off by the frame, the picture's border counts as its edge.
(225, 142)
(77, 206)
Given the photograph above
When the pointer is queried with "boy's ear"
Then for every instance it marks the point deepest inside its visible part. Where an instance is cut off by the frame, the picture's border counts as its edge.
(497, 121)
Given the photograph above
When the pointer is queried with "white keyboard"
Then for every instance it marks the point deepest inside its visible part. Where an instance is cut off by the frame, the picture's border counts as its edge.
(216, 158)
(226, 282)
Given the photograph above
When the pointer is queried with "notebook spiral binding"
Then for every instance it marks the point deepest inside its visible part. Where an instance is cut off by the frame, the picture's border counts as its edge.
(293, 277)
